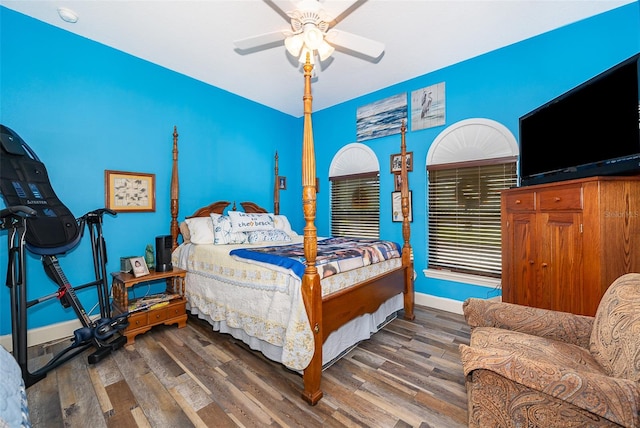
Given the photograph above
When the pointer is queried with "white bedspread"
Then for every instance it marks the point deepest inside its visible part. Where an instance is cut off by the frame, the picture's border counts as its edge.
(264, 307)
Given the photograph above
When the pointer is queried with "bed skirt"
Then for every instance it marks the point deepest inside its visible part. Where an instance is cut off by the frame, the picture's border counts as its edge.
(337, 344)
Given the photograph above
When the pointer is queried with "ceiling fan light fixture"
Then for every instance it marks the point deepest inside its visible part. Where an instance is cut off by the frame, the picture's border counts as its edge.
(313, 37)
(325, 50)
(294, 44)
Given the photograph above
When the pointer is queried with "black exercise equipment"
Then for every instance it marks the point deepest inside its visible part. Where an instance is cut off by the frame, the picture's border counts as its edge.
(37, 221)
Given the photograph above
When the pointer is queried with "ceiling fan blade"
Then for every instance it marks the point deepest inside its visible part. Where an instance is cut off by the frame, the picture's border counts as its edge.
(260, 40)
(338, 11)
(282, 7)
(353, 42)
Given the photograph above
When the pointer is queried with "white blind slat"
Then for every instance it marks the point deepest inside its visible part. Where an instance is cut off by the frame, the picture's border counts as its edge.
(464, 217)
(355, 206)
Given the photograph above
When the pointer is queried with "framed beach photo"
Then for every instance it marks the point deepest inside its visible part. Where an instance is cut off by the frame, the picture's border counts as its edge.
(130, 191)
(396, 165)
(139, 266)
(381, 118)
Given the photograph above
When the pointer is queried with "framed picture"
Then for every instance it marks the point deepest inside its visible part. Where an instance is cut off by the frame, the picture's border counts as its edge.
(396, 166)
(428, 107)
(130, 191)
(396, 207)
(317, 185)
(282, 182)
(139, 266)
(381, 118)
(397, 182)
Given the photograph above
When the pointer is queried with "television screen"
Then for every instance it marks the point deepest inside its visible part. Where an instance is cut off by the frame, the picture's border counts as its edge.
(591, 130)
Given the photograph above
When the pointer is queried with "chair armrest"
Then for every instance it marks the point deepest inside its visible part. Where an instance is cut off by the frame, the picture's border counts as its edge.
(618, 399)
(562, 326)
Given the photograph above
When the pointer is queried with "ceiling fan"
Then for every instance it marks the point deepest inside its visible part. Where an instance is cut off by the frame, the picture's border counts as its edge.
(311, 31)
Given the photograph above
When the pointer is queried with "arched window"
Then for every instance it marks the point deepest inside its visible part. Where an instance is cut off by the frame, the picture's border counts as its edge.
(468, 165)
(355, 192)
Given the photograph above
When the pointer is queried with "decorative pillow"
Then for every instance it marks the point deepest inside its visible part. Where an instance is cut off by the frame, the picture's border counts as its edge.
(223, 234)
(282, 222)
(274, 235)
(200, 230)
(184, 231)
(243, 222)
(614, 338)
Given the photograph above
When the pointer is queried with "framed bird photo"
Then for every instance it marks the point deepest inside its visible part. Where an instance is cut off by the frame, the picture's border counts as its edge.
(428, 107)
(130, 191)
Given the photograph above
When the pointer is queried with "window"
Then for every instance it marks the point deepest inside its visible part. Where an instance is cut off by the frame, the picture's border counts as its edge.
(355, 192)
(355, 206)
(467, 167)
(464, 217)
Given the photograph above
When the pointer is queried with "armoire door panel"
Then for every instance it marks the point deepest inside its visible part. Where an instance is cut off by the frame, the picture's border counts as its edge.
(523, 232)
(561, 259)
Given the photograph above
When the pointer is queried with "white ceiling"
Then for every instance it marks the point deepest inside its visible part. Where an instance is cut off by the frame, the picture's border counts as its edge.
(195, 38)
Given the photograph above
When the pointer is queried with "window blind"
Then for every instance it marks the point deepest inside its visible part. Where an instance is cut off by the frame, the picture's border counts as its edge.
(355, 206)
(464, 217)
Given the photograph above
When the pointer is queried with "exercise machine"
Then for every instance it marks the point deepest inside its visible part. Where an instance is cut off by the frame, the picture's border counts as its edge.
(38, 222)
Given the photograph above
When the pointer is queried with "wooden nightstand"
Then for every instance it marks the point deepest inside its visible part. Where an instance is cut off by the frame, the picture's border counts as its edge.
(170, 312)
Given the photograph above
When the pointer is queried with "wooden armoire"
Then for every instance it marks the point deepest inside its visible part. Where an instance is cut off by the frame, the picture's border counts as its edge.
(564, 243)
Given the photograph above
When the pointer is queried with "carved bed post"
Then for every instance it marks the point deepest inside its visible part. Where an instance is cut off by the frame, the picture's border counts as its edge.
(175, 191)
(276, 189)
(311, 291)
(406, 229)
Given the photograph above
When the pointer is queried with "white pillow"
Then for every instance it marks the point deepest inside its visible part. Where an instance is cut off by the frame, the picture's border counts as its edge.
(282, 222)
(200, 230)
(223, 234)
(184, 231)
(273, 235)
(243, 222)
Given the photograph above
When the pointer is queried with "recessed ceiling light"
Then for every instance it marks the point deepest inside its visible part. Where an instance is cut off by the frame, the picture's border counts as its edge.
(68, 15)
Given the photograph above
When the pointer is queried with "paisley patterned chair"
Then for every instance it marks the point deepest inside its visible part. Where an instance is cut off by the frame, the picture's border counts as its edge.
(531, 367)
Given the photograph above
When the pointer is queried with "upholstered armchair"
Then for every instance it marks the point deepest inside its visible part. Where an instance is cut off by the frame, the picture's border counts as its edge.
(531, 367)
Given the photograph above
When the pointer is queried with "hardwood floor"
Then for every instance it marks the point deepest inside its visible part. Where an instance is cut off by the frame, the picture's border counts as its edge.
(408, 374)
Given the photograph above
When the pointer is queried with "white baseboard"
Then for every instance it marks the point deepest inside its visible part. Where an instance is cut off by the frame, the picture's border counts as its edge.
(61, 330)
(442, 303)
(37, 336)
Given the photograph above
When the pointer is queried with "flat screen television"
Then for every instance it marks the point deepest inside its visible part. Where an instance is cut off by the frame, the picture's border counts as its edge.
(593, 129)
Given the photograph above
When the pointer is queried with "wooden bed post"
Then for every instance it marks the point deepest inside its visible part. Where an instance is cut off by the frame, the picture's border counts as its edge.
(276, 189)
(406, 229)
(311, 291)
(175, 191)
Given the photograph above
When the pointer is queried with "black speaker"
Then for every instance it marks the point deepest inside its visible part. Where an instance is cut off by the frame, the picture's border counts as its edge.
(163, 253)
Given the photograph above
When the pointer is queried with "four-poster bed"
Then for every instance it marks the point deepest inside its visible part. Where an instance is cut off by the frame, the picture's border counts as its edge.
(376, 291)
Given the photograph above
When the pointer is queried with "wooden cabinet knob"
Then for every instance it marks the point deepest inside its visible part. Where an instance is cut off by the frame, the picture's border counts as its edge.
(531, 262)
(518, 201)
(557, 199)
(544, 265)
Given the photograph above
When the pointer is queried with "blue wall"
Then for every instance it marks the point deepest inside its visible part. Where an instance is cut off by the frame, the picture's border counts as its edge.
(85, 108)
(501, 85)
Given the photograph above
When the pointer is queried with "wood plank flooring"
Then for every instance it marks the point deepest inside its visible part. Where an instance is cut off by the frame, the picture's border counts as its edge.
(408, 374)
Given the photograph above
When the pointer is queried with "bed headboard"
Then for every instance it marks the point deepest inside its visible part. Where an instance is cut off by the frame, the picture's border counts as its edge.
(216, 207)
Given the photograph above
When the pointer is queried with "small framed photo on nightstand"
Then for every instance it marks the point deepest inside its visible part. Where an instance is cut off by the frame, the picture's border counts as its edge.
(139, 266)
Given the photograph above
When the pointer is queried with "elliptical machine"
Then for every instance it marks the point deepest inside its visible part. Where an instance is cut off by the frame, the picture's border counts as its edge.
(37, 221)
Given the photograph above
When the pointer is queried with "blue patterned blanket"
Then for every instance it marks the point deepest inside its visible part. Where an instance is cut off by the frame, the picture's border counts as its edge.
(335, 255)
